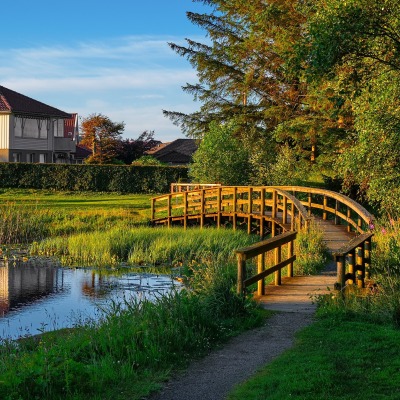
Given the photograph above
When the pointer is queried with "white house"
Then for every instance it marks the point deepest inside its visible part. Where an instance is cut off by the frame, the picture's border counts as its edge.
(31, 131)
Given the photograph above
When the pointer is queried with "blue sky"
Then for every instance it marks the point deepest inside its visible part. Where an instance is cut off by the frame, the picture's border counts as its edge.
(112, 58)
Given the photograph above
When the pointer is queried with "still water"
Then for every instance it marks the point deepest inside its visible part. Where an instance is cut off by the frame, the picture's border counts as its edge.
(37, 297)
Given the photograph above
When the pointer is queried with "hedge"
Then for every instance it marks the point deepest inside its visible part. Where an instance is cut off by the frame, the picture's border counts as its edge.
(96, 178)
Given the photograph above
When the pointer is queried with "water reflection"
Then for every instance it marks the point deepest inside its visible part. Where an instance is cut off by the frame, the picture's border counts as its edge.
(39, 296)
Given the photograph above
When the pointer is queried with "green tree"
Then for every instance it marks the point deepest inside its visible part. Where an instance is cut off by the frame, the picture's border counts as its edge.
(356, 46)
(102, 136)
(221, 157)
(251, 71)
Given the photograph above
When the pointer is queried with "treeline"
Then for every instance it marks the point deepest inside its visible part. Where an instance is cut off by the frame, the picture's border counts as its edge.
(303, 88)
(96, 178)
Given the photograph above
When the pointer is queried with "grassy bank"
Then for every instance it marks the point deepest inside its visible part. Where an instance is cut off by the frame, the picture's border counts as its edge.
(131, 351)
(29, 215)
(335, 358)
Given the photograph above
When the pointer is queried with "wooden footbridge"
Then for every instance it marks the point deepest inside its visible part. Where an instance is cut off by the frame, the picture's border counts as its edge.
(276, 214)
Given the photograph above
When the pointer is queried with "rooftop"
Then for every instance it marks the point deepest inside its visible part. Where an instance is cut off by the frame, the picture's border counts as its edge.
(18, 103)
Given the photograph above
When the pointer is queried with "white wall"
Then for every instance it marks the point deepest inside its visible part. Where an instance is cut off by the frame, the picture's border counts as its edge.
(4, 131)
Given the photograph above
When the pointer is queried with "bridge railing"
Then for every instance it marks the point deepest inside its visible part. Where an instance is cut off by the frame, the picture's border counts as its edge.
(333, 205)
(273, 203)
(186, 187)
(357, 253)
(260, 250)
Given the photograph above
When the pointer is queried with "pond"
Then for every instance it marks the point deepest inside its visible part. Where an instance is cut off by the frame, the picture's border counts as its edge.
(42, 296)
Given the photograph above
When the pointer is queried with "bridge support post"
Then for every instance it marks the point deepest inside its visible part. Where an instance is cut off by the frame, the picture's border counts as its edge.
(351, 267)
(169, 212)
(340, 263)
(260, 268)
(219, 207)
(234, 201)
(360, 267)
(185, 209)
(367, 258)
(290, 254)
(241, 273)
(202, 211)
(278, 259)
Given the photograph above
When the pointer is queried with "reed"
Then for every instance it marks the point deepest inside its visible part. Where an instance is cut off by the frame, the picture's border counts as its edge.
(144, 245)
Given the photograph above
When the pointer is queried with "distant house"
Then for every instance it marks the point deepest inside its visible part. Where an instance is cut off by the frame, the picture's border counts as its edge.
(178, 152)
(31, 131)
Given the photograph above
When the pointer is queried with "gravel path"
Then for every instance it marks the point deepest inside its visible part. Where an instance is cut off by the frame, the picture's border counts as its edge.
(213, 377)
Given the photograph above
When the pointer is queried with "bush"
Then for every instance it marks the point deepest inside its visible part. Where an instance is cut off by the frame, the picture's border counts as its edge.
(96, 178)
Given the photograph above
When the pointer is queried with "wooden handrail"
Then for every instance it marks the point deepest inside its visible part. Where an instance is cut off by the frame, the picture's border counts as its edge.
(268, 202)
(357, 252)
(259, 250)
(363, 217)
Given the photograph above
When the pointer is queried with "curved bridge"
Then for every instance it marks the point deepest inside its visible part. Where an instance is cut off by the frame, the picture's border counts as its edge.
(272, 211)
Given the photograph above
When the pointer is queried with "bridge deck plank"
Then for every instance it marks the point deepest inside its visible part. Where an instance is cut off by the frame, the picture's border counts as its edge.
(296, 294)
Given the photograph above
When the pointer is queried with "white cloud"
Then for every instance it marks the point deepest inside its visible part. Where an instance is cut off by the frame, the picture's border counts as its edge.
(130, 79)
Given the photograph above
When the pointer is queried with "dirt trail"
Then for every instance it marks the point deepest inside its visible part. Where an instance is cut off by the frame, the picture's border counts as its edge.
(213, 377)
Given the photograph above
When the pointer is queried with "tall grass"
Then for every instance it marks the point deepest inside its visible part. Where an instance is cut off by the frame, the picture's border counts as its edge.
(310, 250)
(33, 218)
(144, 245)
(380, 300)
(133, 347)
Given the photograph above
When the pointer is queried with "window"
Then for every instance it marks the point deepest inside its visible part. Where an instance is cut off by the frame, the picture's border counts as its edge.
(30, 157)
(16, 157)
(42, 158)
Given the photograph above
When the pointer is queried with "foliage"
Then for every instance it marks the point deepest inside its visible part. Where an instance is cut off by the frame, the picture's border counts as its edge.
(354, 45)
(220, 158)
(133, 149)
(147, 160)
(102, 136)
(96, 178)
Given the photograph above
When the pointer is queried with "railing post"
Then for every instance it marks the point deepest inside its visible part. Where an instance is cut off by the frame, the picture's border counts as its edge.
(360, 266)
(336, 211)
(274, 203)
(325, 203)
(293, 217)
(249, 209)
(340, 264)
(284, 211)
(202, 210)
(260, 268)
(290, 254)
(234, 208)
(262, 211)
(185, 209)
(278, 259)
(241, 273)
(309, 204)
(169, 211)
(367, 259)
(219, 200)
(153, 210)
(351, 256)
(348, 219)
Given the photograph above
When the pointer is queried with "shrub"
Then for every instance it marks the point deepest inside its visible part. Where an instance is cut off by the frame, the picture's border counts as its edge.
(96, 178)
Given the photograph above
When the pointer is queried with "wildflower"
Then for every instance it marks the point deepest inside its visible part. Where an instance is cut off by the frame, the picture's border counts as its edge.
(371, 226)
(383, 230)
